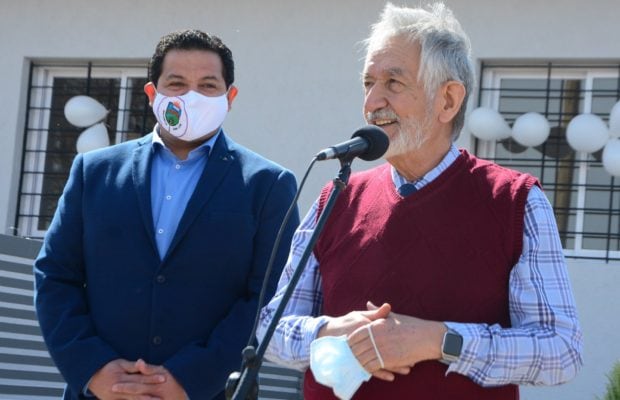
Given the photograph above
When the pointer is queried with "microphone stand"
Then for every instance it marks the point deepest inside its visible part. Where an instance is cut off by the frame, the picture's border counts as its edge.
(244, 385)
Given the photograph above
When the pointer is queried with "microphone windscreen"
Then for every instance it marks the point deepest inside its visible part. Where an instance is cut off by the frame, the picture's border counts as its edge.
(378, 142)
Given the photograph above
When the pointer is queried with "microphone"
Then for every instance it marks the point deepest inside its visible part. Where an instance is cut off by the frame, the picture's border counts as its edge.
(368, 143)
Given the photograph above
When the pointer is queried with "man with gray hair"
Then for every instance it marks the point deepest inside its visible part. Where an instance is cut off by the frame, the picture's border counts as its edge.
(462, 255)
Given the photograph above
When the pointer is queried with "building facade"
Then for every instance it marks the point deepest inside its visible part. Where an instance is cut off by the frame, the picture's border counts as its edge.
(298, 70)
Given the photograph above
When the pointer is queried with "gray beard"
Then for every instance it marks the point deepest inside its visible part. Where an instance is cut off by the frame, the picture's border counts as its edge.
(410, 136)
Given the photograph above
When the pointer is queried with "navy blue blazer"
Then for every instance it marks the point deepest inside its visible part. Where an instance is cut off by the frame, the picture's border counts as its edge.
(102, 291)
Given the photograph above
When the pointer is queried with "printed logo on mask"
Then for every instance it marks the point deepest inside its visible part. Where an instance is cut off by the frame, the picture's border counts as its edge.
(173, 113)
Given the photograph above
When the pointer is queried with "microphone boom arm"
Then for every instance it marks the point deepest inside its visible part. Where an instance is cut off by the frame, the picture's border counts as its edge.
(247, 389)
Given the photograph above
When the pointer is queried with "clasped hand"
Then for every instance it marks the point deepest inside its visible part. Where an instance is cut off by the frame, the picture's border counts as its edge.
(126, 380)
(401, 340)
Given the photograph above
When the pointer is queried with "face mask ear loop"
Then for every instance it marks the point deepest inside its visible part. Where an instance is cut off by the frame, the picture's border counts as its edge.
(374, 344)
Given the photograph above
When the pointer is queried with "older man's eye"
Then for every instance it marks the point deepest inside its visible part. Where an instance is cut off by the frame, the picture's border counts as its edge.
(395, 86)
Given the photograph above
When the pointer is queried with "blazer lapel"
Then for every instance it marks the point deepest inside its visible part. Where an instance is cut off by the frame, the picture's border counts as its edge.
(141, 175)
(220, 160)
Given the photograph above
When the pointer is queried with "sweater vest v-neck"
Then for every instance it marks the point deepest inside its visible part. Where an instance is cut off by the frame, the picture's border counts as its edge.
(443, 253)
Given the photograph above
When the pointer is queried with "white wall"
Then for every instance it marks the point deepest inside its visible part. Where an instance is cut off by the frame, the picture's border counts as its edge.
(595, 285)
(298, 65)
(298, 62)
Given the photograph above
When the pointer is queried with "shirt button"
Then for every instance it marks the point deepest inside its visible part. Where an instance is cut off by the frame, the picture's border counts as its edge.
(168, 197)
(160, 231)
(157, 340)
(177, 166)
(161, 279)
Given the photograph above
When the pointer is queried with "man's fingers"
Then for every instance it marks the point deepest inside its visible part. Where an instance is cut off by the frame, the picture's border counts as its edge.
(357, 336)
(148, 369)
(364, 351)
(400, 370)
(144, 380)
(127, 366)
(377, 312)
(133, 388)
(152, 379)
(383, 375)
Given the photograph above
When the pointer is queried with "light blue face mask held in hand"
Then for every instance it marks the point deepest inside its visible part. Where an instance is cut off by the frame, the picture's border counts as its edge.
(333, 364)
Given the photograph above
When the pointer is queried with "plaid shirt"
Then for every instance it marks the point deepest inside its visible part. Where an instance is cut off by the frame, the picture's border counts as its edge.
(543, 346)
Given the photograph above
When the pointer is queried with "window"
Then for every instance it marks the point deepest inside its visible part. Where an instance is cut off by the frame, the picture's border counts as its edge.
(586, 198)
(50, 140)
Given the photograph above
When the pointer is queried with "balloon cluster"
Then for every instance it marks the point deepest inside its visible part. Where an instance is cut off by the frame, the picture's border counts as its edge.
(86, 112)
(585, 132)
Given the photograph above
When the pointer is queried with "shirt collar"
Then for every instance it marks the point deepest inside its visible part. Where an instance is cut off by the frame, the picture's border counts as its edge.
(448, 159)
(206, 147)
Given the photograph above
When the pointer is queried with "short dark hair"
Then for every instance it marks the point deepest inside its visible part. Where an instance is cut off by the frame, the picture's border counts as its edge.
(191, 39)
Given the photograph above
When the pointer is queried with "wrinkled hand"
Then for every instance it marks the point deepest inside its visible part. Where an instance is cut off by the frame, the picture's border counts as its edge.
(348, 323)
(169, 389)
(127, 372)
(401, 340)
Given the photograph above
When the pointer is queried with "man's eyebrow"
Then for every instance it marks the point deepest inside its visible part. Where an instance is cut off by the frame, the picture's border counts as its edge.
(174, 76)
(204, 78)
(210, 78)
(394, 71)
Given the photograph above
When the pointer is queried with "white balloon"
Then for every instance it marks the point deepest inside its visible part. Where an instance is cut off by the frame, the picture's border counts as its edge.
(487, 124)
(531, 129)
(611, 157)
(587, 132)
(83, 111)
(614, 121)
(93, 138)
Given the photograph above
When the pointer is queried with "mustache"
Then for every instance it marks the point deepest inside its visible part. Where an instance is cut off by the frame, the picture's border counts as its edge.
(382, 114)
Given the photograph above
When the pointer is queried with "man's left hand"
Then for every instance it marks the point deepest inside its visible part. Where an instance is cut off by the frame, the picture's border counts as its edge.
(169, 390)
(401, 340)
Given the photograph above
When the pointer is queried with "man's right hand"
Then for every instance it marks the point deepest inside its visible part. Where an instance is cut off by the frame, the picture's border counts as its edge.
(121, 371)
(350, 322)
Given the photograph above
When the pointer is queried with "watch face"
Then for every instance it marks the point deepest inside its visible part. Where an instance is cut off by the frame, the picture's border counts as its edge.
(453, 343)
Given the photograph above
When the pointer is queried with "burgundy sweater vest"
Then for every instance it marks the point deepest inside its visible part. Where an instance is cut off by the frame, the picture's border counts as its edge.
(443, 253)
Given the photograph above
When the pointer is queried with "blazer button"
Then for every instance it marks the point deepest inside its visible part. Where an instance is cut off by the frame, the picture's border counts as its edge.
(161, 279)
(157, 340)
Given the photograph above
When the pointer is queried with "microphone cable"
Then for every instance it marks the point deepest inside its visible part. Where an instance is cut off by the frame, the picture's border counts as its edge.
(274, 251)
(377, 143)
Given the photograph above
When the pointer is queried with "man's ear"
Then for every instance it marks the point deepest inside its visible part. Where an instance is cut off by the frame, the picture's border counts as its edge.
(451, 96)
(232, 93)
(150, 91)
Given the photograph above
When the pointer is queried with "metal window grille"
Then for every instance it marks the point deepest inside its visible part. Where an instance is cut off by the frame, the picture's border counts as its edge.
(49, 145)
(585, 198)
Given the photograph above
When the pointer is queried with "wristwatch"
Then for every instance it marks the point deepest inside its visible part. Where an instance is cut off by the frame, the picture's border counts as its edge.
(451, 346)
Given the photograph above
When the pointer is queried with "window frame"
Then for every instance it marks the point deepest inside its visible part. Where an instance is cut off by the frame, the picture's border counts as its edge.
(489, 96)
(38, 114)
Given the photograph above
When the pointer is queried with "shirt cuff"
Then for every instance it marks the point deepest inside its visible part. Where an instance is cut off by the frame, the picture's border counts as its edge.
(86, 392)
(471, 343)
(313, 327)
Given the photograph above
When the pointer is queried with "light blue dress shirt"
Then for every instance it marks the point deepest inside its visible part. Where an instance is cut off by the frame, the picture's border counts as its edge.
(172, 184)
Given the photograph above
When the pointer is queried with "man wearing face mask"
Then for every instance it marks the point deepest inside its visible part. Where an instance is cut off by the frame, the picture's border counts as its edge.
(148, 280)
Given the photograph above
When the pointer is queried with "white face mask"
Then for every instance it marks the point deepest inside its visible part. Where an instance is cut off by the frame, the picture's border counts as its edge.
(333, 364)
(191, 116)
